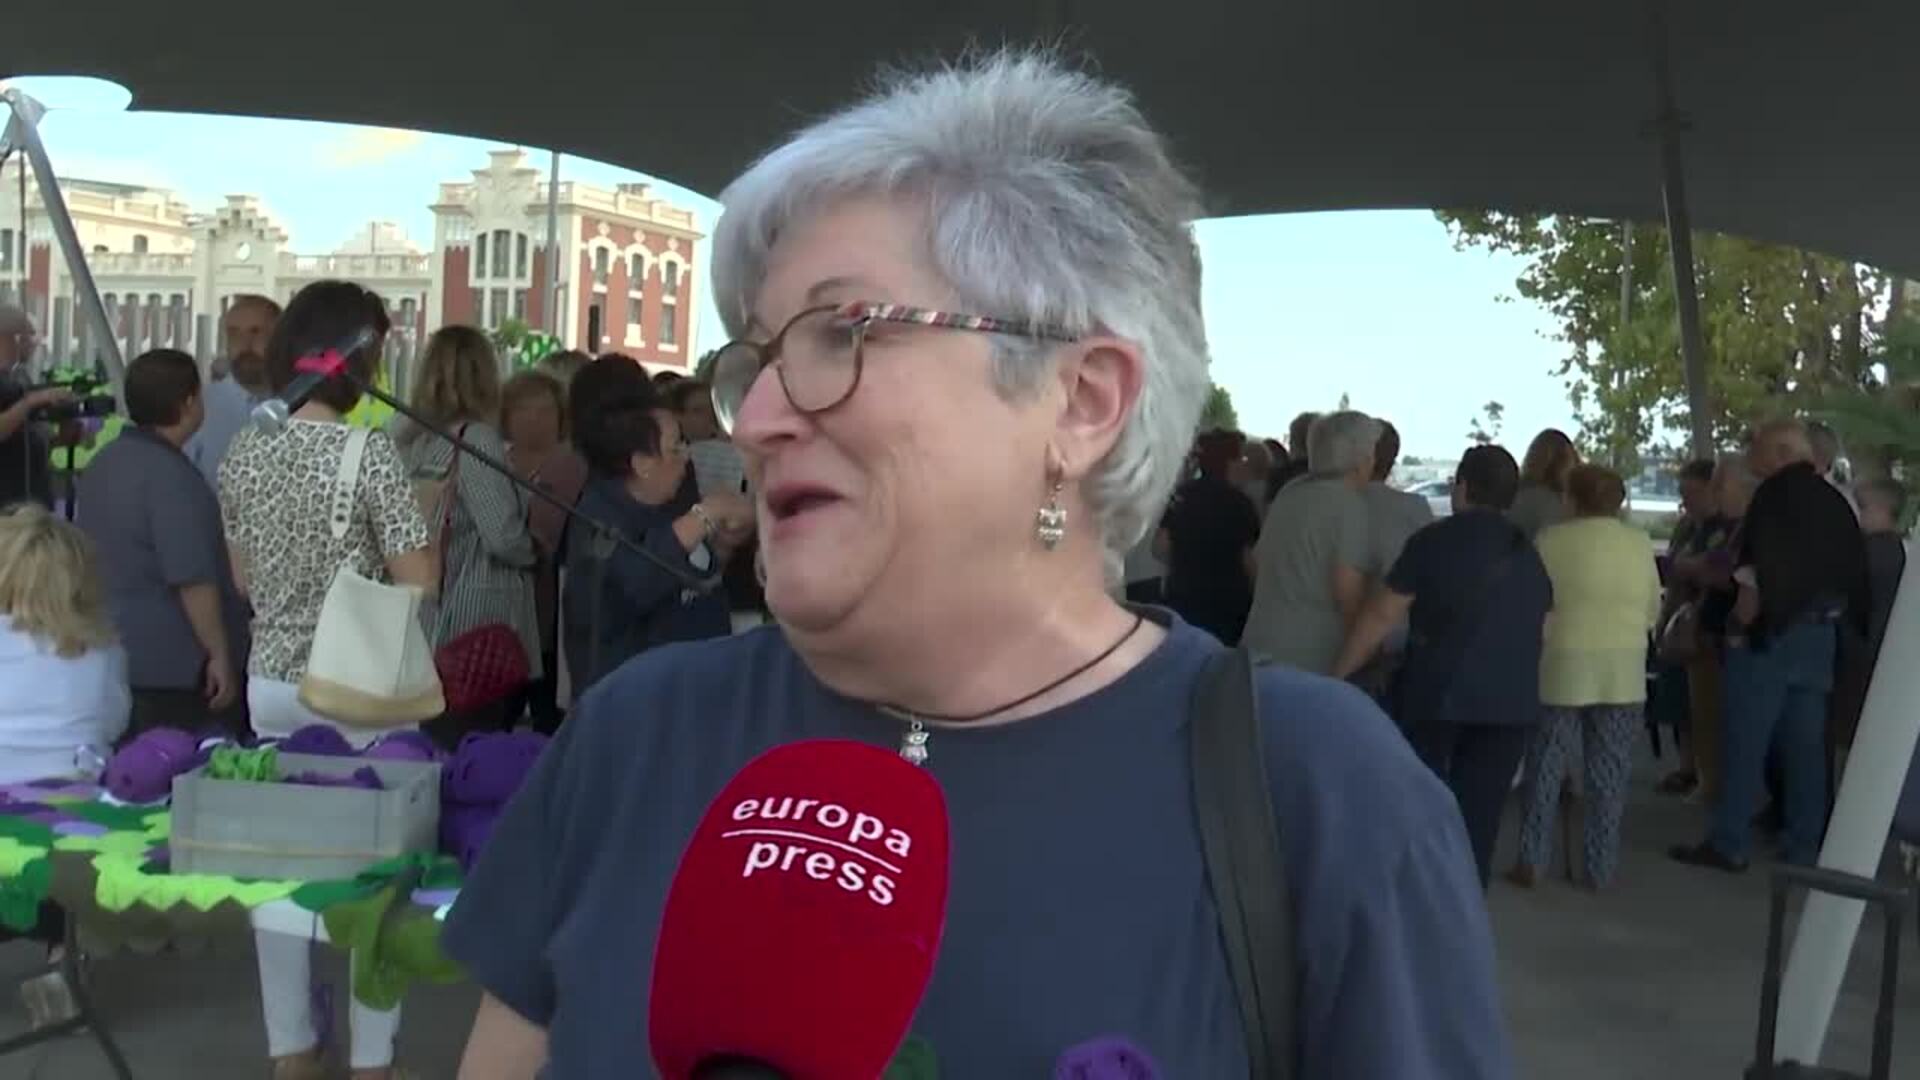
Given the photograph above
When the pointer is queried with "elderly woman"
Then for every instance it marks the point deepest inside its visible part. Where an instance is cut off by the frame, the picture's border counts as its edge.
(1312, 560)
(970, 361)
(1593, 670)
(533, 420)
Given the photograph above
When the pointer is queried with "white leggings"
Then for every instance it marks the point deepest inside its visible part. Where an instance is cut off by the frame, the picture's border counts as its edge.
(286, 962)
(286, 971)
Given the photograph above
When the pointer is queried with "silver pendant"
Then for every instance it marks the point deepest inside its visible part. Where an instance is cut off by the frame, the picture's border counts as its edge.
(913, 744)
(1051, 524)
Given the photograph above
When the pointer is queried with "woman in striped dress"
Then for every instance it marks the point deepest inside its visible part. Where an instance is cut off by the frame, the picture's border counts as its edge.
(479, 518)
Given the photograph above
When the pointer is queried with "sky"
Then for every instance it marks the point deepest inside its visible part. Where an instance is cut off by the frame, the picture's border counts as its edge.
(1301, 308)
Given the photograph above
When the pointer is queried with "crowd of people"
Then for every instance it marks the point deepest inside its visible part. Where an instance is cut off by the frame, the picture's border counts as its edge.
(178, 582)
(1534, 631)
(968, 362)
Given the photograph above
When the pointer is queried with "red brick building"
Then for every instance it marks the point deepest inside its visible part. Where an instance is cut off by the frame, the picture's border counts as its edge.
(626, 262)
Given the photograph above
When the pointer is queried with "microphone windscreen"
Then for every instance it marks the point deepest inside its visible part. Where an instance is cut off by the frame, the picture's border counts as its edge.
(270, 416)
(802, 926)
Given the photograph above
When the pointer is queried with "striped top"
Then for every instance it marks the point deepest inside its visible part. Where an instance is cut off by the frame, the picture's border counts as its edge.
(487, 568)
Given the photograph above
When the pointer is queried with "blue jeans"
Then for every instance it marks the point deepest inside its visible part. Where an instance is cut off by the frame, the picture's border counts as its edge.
(1777, 698)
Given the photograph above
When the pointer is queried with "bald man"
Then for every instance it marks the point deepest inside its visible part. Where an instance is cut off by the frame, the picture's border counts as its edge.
(1801, 571)
(24, 472)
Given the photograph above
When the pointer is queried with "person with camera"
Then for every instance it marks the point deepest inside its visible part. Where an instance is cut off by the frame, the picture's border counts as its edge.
(25, 472)
(163, 549)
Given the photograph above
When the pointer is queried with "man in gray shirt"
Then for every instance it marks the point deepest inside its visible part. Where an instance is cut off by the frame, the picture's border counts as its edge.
(1313, 553)
(163, 556)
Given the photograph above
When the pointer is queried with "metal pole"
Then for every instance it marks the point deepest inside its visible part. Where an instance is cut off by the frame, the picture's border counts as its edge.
(553, 246)
(1693, 345)
(1621, 451)
(23, 133)
(1626, 274)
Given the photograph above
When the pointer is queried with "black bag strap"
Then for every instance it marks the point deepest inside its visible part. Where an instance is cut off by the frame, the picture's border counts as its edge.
(1240, 840)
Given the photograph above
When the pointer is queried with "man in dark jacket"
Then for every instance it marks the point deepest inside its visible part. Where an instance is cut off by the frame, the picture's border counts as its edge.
(1801, 569)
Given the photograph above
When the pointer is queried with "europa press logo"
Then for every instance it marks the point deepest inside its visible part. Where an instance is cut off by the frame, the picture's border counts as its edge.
(855, 850)
(832, 823)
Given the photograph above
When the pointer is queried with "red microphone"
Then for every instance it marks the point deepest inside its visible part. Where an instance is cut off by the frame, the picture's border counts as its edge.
(801, 928)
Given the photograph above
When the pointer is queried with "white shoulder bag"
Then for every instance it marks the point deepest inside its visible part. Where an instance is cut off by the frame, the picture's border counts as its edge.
(371, 666)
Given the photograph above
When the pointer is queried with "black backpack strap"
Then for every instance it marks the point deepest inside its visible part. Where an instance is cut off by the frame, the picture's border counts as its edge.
(1240, 840)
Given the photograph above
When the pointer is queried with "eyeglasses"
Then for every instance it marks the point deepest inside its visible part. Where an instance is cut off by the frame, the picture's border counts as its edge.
(819, 354)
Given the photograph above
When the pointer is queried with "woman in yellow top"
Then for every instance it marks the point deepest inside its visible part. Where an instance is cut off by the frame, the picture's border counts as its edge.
(1593, 674)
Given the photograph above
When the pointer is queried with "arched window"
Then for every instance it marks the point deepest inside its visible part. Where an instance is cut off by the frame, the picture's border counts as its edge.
(139, 244)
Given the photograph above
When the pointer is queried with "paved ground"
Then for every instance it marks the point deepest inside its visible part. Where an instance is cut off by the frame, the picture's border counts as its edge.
(1658, 980)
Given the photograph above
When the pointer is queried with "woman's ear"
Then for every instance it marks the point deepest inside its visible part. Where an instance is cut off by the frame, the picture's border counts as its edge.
(1100, 383)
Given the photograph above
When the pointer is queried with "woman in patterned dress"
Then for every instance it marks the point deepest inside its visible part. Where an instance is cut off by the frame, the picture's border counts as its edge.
(1606, 596)
(275, 494)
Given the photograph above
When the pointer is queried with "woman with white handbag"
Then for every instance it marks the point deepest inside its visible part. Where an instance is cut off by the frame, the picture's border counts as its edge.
(330, 548)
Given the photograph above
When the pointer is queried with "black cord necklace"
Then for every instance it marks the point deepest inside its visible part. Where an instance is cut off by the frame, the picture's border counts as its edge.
(913, 743)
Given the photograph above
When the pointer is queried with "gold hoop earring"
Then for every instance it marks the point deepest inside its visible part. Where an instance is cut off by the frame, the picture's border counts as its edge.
(1050, 524)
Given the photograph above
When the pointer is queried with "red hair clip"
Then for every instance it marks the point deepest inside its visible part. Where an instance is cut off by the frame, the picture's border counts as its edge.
(328, 363)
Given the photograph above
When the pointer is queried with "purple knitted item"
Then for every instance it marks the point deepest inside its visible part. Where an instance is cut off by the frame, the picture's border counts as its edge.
(403, 746)
(488, 769)
(317, 739)
(362, 777)
(143, 770)
(1107, 1058)
(464, 831)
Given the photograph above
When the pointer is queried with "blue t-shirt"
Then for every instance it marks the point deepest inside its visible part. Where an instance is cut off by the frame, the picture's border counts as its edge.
(156, 527)
(1078, 903)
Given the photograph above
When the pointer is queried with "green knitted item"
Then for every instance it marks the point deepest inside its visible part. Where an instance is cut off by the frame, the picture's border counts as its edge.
(232, 763)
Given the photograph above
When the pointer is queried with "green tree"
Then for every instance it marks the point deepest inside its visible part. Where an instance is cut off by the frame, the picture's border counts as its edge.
(520, 345)
(1489, 432)
(1217, 414)
(1880, 423)
(1784, 328)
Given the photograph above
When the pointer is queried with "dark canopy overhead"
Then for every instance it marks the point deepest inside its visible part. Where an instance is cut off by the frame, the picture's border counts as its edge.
(1802, 114)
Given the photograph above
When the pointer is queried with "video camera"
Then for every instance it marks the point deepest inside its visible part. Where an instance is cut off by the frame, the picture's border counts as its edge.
(92, 397)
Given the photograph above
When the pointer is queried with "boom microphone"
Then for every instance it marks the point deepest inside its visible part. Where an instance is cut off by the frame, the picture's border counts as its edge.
(801, 928)
(270, 416)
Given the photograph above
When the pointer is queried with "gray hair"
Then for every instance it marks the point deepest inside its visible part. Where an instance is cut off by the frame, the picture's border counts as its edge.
(1340, 443)
(1048, 198)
